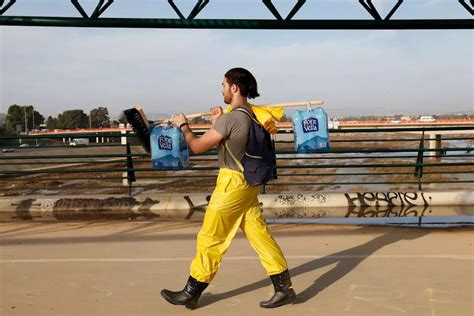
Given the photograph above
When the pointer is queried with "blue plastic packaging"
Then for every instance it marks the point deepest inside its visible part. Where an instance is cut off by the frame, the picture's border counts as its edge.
(169, 150)
(311, 131)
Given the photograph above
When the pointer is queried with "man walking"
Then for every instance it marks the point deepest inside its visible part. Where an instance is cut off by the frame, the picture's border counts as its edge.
(233, 204)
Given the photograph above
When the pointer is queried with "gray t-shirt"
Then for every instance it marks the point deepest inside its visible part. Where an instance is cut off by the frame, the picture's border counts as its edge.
(235, 127)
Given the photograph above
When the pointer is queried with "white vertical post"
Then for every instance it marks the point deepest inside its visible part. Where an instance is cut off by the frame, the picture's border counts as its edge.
(434, 142)
(124, 142)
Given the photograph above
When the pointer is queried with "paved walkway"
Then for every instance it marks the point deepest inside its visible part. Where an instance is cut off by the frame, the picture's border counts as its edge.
(119, 267)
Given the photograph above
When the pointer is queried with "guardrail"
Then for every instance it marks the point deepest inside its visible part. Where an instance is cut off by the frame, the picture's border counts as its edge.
(415, 157)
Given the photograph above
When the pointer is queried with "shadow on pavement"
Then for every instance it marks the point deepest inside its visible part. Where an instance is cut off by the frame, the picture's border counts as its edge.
(346, 261)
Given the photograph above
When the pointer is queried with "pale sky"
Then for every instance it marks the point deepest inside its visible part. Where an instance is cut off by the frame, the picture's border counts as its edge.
(168, 70)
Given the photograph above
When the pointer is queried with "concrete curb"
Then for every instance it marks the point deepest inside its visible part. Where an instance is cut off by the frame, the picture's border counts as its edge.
(192, 206)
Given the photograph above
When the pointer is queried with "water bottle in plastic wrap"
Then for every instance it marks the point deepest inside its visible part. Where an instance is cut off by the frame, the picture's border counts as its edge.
(168, 148)
(311, 130)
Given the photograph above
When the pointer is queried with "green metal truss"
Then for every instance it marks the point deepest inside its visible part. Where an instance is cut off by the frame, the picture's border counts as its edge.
(377, 23)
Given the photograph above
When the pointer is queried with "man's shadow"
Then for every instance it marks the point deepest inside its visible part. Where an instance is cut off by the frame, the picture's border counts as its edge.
(346, 261)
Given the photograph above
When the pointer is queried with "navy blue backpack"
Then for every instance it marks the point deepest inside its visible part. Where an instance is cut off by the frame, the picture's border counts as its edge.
(259, 162)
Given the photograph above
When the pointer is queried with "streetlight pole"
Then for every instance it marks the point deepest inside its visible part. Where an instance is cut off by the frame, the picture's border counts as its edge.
(26, 123)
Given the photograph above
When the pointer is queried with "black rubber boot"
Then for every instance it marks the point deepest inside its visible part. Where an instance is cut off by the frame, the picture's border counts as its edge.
(284, 293)
(189, 296)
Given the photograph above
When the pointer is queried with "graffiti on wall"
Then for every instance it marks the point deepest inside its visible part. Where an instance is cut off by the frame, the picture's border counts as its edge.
(360, 204)
(119, 208)
(386, 198)
(387, 204)
(292, 199)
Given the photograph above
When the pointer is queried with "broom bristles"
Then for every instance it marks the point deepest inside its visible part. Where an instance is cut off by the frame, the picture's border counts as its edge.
(140, 126)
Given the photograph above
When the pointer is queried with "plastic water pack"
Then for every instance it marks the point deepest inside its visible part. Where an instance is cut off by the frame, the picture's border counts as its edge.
(168, 148)
(311, 131)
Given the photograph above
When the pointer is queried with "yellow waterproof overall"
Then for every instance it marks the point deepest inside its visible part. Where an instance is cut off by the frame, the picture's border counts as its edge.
(233, 204)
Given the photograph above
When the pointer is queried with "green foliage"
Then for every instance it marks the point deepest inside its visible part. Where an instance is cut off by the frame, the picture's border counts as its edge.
(73, 119)
(199, 120)
(19, 115)
(99, 117)
(14, 117)
(122, 118)
(285, 118)
(51, 123)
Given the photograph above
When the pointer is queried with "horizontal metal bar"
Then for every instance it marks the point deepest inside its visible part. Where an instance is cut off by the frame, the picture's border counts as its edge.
(278, 152)
(377, 150)
(318, 166)
(331, 131)
(345, 158)
(202, 185)
(76, 135)
(400, 129)
(371, 182)
(342, 174)
(378, 140)
(367, 173)
(400, 165)
(114, 178)
(359, 140)
(421, 24)
(70, 156)
(89, 162)
(104, 170)
(171, 177)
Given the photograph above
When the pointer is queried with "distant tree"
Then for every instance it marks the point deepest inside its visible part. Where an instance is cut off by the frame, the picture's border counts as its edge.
(73, 119)
(38, 120)
(285, 118)
(51, 123)
(122, 118)
(15, 116)
(199, 120)
(99, 117)
(6, 142)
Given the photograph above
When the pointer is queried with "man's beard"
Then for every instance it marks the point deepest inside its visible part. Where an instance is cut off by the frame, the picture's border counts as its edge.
(227, 99)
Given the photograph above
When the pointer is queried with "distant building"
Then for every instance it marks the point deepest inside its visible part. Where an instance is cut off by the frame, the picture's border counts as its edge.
(426, 118)
(333, 123)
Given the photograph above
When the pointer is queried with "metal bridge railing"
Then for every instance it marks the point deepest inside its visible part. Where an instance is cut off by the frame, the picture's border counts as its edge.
(388, 158)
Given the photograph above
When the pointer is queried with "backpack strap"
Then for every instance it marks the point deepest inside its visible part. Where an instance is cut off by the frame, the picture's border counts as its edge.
(241, 109)
(237, 162)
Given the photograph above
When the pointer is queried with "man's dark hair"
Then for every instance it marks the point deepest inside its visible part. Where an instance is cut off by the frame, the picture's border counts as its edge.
(243, 79)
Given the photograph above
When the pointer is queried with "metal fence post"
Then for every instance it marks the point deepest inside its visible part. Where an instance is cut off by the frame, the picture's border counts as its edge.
(130, 173)
(419, 161)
